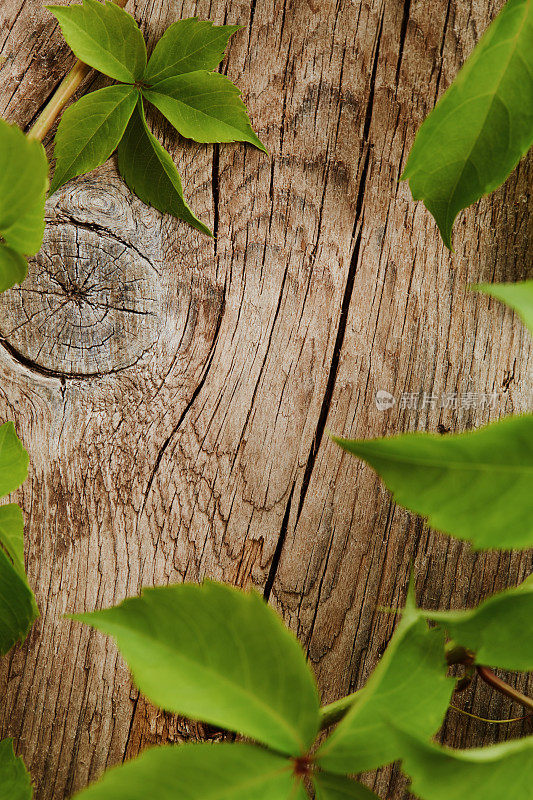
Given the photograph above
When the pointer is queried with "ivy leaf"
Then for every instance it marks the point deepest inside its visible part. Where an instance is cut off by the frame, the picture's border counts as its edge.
(204, 106)
(90, 131)
(219, 655)
(338, 787)
(488, 773)
(150, 172)
(198, 772)
(475, 485)
(497, 631)
(23, 184)
(518, 296)
(15, 783)
(408, 685)
(17, 604)
(188, 45)
(105, 37)
(13, 267)
(482, 126)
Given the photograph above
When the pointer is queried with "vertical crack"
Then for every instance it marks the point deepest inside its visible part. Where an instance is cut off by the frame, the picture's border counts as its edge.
(279, 549)
(215, 184)
(403, 33)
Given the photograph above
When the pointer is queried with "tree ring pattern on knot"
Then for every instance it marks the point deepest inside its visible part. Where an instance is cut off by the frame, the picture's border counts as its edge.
(91, 304)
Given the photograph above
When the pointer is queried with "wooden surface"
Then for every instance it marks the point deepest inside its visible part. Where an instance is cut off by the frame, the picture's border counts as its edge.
(174, 393)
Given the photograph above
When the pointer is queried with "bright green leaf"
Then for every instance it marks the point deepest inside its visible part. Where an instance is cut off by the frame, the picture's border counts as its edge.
(488, 773)
(498, 631)
(105, 37)
(13, 267)
(338, 787)
(188, 45)
(23, 183)
(518, 296)
(17, 603)
(219, 655)
(475, 485)
(198, 772)
(15, 783)
(408, 685)
(150, 172)
(482, 126)
(204, 106)
(13, 460)
(90, 130)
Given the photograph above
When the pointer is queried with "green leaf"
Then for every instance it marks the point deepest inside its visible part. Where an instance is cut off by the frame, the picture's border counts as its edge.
(475, 485)
(204, 106)
(408, 685)
(482, 126)
(488, 773)
(90, 130)
(15, 783)
(188, 45)
(17, 603)
(216, 654)
(13, 460)
(518, 296)
(150, 172)
(23, 184)
(105, 37)
(498, 631)
(13, 267)
(338, 787)
(198, 772)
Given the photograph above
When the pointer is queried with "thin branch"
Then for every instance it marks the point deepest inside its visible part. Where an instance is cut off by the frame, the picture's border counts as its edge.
(66, 89)
(501, 686)
(334, 712)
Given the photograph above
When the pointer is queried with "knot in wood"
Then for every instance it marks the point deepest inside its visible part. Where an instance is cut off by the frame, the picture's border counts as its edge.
(90, 305)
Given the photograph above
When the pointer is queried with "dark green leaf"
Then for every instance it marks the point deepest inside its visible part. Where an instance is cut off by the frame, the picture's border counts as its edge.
(482, 126)
(90, 130)
(198, 772)
(338, 787)
(188, 45)
(204, 106)
(15, 783)
(23, 182)
(17, 604)
(408, 685)
(488, 773)
(475, 486)
(150, 172)
(498, 630)
(105, 37)
(517, 295)
(13, 267)
(218, 655)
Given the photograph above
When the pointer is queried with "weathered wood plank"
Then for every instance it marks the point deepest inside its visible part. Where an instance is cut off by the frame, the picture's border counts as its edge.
(189, 440)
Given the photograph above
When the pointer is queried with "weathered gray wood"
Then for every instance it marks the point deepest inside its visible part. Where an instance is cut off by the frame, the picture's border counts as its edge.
(174, 392)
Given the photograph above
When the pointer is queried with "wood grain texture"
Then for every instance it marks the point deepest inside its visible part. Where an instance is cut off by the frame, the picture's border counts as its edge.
(174, 392)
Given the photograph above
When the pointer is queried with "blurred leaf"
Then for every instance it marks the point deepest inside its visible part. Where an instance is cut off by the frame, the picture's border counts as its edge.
(216, 654)
(475, 485)
(150, 172)
(498, 631)
(204, 106)
(518, 296)
(198, 772)
(13, 267)
(482, 126)
(409, 685)
(23, 183)
(90, 131)
(488, 773)
(15, 783)
(337, 787)
(105, 37)
(188, 45)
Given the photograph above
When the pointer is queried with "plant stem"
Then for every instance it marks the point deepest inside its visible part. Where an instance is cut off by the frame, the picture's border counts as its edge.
(62, 95)
(334, 712)
(489, 677)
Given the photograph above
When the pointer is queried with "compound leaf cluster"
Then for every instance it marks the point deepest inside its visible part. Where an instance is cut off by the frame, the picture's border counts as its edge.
(178, 79)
